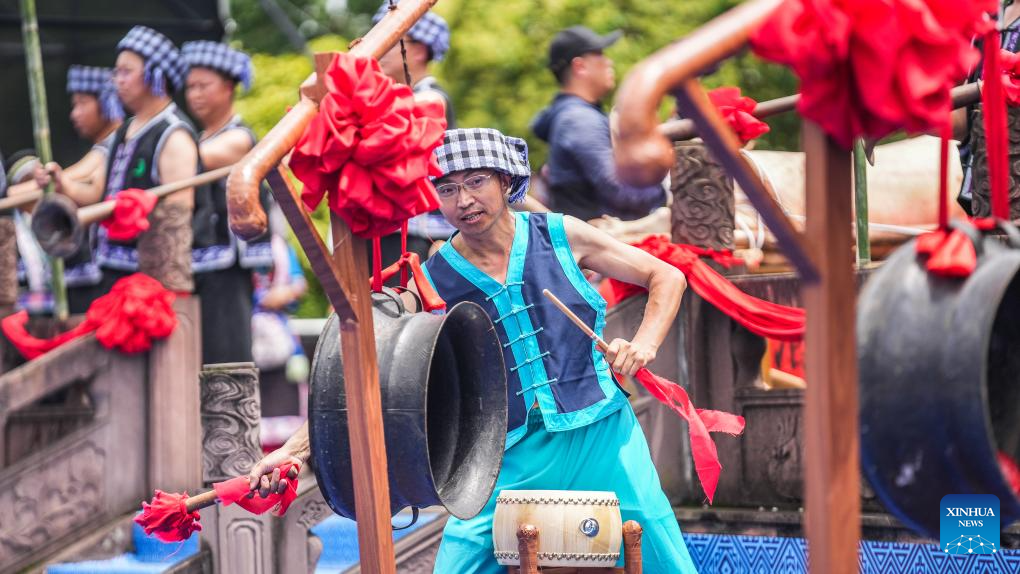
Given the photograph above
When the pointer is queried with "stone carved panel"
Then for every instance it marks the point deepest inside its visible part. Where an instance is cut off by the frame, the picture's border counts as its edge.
(164, 251)
(981, 186)
(230, 420)
(313, 513)
(8, 263)
(703, 205)
(50, 501)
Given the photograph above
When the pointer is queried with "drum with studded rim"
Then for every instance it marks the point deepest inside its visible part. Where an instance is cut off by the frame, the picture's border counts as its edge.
(575, 528)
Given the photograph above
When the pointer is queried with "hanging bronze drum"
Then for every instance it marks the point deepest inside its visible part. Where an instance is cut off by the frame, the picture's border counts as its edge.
(443, 388)
(939, 362)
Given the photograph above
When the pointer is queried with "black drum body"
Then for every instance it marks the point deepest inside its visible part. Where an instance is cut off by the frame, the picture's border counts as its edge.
(939, 364)
(443, 390)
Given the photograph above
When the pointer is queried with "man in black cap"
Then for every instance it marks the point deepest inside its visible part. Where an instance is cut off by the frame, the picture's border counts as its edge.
(581, 175)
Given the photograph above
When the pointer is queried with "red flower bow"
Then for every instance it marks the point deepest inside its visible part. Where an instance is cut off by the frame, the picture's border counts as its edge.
(1010, 76)
(737, 110)
(906, 55)
(370, 148)
(130, 214)
(137, 310)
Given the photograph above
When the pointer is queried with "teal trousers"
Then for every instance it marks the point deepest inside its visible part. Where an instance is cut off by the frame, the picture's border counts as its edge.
(609, 455)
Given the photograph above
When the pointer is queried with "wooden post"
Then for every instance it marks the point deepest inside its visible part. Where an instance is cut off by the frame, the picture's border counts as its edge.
(831, 443)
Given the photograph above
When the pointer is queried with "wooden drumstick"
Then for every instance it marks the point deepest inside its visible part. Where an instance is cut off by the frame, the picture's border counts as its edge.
(602, 344)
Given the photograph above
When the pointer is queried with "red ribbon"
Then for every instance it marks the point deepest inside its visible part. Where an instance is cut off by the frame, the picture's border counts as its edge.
(993, 107)
(872, 67)
(700, 422)
(761, 317)
(130, 217)
(1010, 76)
(430, 298)
(236, 490)
(738, 112)
(137, 310)
(370, 148)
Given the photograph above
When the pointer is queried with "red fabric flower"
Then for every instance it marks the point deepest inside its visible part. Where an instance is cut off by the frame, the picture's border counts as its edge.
(738, 111)
(370, 148)
(137, 310)
(166, 517)
(130, 214)
(761, 317)
(237, 490)
(906, 56)
(1010, 76)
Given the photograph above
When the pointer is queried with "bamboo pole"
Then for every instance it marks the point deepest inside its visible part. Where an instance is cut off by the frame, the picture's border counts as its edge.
(861, 203)
(41, 125)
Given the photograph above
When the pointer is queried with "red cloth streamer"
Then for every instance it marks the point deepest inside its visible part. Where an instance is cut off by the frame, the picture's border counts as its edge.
(700, 422)
(950, 252)
(872, 67)
(430, 299)
(763, 318)
(166, 517)
(130, 217)
(738, 111)
(236, 490)
(993, 107)
(137, 310)
(370, 148)
(1010, 471)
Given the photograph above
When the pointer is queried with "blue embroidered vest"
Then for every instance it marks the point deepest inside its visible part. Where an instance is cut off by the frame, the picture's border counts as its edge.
(548, 359)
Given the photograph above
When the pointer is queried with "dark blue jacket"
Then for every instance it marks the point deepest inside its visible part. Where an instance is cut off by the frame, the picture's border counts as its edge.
(581, 173)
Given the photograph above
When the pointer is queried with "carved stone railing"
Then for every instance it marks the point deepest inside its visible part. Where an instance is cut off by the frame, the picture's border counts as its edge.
(144, 434)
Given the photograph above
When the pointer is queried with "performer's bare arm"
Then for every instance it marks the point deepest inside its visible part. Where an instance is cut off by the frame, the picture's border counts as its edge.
(179, 161)
(225, 149)
(595, 250)
(82, 182)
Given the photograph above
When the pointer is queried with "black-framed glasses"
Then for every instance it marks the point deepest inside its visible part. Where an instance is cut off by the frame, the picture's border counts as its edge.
(472, 184)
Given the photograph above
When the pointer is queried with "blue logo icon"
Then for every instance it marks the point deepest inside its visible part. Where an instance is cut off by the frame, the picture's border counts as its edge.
(969, 524)
(590, 527)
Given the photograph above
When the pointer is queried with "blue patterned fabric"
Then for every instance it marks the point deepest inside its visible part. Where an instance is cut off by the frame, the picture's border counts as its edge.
(430, 30)
(486, 148)
(98, 82)
(729, 554)
(219, 57)
(548, 359)
(163, 62)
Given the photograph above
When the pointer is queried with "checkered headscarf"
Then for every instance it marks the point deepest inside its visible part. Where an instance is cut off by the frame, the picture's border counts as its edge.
(98, 82)
(486, 148)
(163, 62)
(430, 30)
(219, 57)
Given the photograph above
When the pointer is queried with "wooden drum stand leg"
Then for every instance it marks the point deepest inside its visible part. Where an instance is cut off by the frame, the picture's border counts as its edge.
(527, 548)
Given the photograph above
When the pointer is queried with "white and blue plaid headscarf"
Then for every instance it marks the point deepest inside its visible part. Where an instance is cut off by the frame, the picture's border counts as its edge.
(219, 57)
(486, 148)
(163, 62)
(98, 82)
(430, 30)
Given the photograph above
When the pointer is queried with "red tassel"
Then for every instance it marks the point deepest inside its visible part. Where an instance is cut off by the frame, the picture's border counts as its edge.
(1010, 471)
(430, 299)
(166, 517)
(700, 422)
(950, 253)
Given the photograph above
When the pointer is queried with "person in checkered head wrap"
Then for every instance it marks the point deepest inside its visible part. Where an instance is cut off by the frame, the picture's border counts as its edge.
(428, 40)
(163, 66)
(86, 83)
(570, 426)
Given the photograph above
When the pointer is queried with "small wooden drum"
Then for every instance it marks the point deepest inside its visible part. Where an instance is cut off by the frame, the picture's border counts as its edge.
(575, 528)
